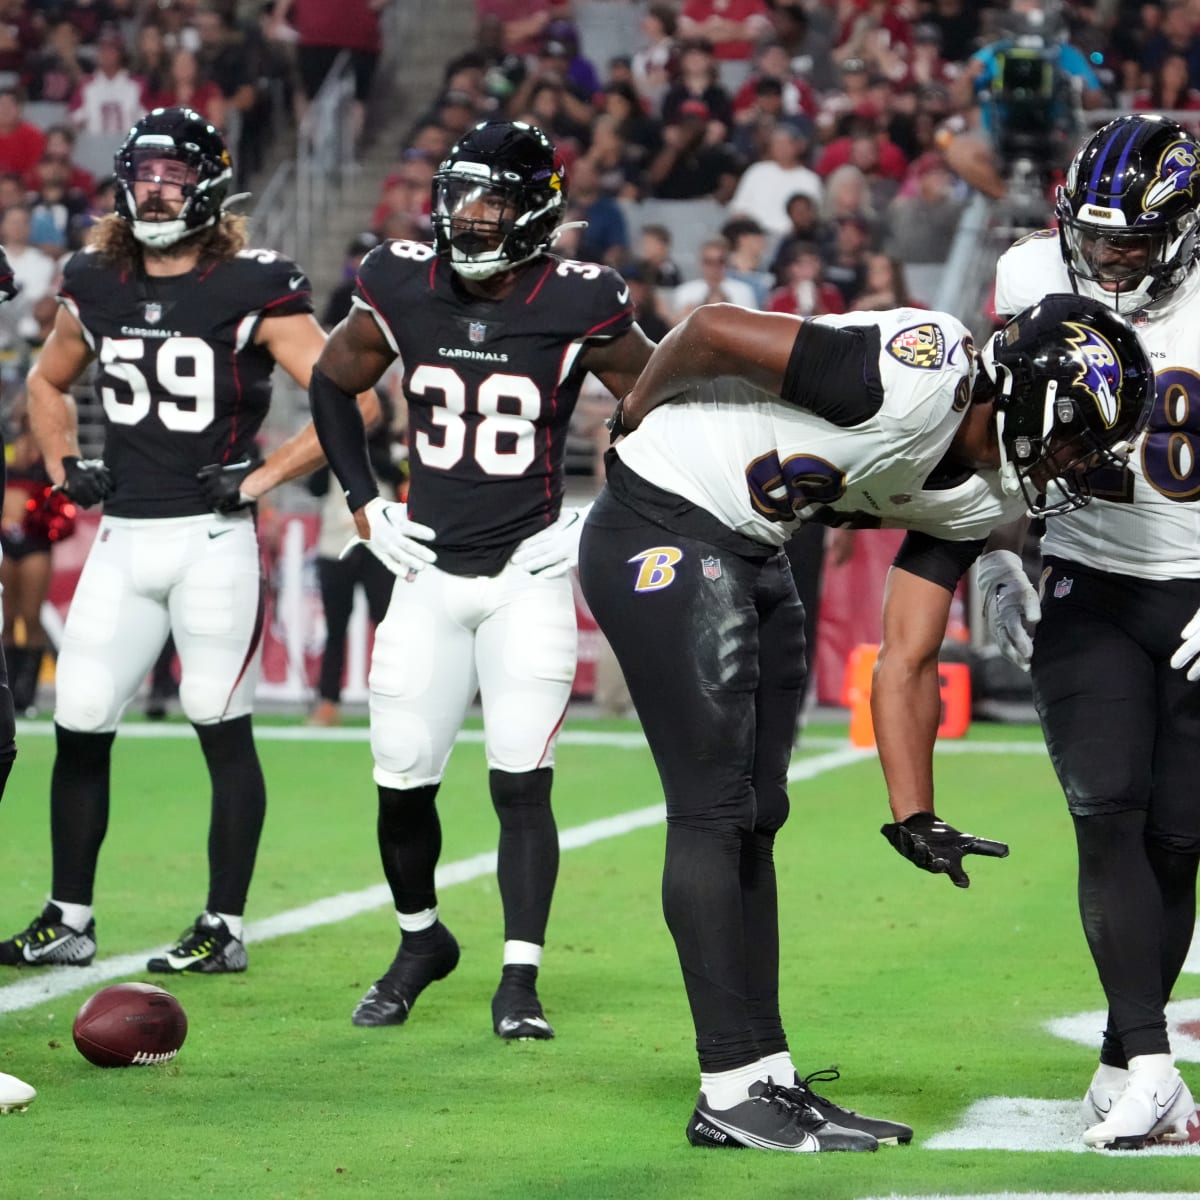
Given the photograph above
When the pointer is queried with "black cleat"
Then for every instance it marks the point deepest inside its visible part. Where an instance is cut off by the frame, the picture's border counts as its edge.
(771, 1120)
(886, 1133)
(205, 948)
(47, 942)
(516, 1010)
(389, 1000)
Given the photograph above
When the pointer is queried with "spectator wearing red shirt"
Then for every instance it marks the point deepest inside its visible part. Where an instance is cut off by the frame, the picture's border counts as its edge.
(891, 164)
(524, 21)
(804, 293)
(60, 144)
(775, 63)
(733, 26)
(186, 87)
(21, 143)
(19, 35)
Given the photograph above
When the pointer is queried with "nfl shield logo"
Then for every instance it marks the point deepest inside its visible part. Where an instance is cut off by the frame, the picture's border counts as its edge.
(153, 313)
(476, 331)
(1063, 588)
(711, 568)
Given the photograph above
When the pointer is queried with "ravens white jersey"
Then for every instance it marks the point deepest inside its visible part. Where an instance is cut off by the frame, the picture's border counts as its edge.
(1143, 519)
(761, 465)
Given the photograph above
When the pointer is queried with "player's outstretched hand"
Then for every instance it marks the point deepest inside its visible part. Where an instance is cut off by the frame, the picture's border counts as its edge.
(554, 550)
(937, 847)
(396, 541)
(222, 485)
(88, 480)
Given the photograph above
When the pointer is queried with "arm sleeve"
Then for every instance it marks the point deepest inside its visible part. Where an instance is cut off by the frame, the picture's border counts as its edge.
(935, 559)
(834, 373)
(343, 437)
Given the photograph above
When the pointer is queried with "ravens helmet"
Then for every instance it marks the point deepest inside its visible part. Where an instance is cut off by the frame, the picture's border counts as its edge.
(497, 198)
(1074, 388)
(205, 172)
(1127, 218)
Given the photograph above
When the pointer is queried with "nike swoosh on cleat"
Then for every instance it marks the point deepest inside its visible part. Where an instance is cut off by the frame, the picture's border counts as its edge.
(34, 954)
(508, 1024)
(178, 962)
(1160, 1108)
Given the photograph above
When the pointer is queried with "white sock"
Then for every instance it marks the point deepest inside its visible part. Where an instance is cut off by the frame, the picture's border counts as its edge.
(234, 924)
(724, 1089)
(75, 916)
(415, 922)
(524, 954)
(778, 1067)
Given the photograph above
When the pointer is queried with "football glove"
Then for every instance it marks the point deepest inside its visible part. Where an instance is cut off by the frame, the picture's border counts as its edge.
(1188, 654)
(396, 541)
(222, 485)
(1010, 605)
(88, 480)
(554, 550)
(616, 423)
(937, 847)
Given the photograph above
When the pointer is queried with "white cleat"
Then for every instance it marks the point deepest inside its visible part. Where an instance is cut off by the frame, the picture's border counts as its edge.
(15, 1095)
(1107, 1084)
(1154, 1106)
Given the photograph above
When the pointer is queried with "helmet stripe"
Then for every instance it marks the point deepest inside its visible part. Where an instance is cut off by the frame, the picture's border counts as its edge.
(1130, 131)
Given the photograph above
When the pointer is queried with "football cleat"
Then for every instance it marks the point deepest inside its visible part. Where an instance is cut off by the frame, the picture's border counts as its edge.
(516, 1010)
(1107, 1084)
(205, 948)
(1154, 1106)
(389, 1000)
(771, 1120)
(47, 942)
(886, 1133)
(15, 1095)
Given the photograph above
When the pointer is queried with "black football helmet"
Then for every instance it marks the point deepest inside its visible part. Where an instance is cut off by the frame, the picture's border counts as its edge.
(497, 198)
(183, 135)
(1127, 212)
(1074, 388)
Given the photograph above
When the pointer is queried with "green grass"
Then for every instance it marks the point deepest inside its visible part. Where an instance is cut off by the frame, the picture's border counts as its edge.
(927, 997)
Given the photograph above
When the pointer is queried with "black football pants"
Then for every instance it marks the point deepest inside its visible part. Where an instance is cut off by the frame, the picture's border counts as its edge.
(1123, 729)
(712, 647)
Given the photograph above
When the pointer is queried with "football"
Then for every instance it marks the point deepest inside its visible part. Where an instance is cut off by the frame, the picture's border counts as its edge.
(130, 1025)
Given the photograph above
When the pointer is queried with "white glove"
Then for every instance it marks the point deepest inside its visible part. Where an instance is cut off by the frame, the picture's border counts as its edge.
(1188, 654)
(396, 541)
(554, 550)
(1010, 605)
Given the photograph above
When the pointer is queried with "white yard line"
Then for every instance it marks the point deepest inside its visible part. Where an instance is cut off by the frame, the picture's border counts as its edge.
(49, 983)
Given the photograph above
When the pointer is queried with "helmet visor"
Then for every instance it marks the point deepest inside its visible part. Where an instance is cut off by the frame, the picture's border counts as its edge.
(475, 215)
(162, 165)
(1115, 260)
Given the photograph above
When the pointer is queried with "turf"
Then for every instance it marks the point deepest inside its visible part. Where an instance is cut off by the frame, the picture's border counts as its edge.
(927, 997)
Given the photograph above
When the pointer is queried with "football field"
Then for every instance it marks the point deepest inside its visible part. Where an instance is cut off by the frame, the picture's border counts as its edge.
(971, 1015)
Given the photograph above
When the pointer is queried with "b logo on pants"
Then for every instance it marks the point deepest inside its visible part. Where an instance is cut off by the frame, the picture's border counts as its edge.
(658, 568)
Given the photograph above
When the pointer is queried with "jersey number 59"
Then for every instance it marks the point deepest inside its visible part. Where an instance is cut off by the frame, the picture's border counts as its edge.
(126, 359)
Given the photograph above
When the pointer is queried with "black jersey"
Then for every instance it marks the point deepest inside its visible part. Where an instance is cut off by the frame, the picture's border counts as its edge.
(178, 374)
(491, 385)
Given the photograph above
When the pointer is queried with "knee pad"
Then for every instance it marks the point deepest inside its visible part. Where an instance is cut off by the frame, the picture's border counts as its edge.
(85, 696)
(403, 750)
(204, 701)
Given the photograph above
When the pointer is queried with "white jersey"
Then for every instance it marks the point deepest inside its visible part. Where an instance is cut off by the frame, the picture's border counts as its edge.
(1143, 519)
(760, 465)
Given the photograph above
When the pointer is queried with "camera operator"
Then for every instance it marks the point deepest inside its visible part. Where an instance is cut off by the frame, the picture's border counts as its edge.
(1027, 87)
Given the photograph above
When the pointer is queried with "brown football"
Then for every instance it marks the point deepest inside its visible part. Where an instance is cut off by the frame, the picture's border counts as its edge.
(130, 1025)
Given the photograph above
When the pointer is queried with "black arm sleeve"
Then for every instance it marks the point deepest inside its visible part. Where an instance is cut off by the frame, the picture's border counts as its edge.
(936, 559)
(834, 373)
(343, 437)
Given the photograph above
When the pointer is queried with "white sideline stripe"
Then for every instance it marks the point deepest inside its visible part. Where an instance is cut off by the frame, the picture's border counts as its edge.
(1042, 1196)
(569, 737)
(48, 983)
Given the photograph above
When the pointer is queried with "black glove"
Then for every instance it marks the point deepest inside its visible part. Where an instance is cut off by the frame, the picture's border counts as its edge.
(222, 486)
(88, 480)
(937, 847)
(9, 287)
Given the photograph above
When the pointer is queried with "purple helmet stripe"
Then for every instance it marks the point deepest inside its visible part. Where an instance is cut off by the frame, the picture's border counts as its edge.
(1093, 195)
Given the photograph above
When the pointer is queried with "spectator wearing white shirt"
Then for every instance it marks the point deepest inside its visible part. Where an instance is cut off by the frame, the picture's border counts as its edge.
(35, 273)
(714, 286)
(766, 187)
(110, 100)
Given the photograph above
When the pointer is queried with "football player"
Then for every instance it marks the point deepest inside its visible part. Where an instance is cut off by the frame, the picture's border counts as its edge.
(186, 325)
(496, 334)
(1114, 688)
(868, 419)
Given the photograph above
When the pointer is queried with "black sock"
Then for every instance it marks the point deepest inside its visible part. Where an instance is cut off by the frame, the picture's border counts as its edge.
(239, 806)
(410, 844)
(78, 811)
(527, 861)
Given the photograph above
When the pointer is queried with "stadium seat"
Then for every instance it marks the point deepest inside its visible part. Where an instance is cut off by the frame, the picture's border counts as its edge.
(94, 152)
(46, 113)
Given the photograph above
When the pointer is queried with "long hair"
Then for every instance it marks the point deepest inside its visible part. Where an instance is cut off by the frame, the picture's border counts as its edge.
(112, 237)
